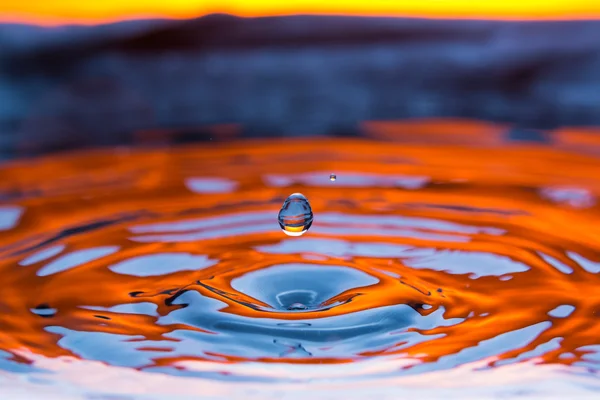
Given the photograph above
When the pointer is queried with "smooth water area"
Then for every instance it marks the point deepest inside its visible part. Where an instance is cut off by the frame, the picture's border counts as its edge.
(431, 269)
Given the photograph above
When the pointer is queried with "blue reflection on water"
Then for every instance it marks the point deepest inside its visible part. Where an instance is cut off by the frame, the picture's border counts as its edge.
(282, 285)
(562, 311)
(9, 216)
(129, 308)
(42, 255)
(486, 348)
(210, 185)
(463, 262)
(75, 259)
(161, 264)
(334, 248)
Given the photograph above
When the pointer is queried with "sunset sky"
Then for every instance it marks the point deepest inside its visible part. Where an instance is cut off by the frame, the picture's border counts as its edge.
(56, 12)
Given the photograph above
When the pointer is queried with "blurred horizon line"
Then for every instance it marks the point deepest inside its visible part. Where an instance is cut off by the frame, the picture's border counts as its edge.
(291, 76)
(69, 12)
(161, 19)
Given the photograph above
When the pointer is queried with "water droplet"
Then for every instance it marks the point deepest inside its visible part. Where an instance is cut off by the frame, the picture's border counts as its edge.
(332, 177)
(297, 307)
(295, 216)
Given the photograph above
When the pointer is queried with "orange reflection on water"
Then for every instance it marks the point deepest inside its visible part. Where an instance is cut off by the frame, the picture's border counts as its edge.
(444, 131)
(70, 11)
(491, 241)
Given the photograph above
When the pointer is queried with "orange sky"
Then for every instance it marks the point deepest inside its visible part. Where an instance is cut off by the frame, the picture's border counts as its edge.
(55, 12)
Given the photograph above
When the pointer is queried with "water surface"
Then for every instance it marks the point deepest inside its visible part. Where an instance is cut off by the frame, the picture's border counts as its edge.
(432, 268)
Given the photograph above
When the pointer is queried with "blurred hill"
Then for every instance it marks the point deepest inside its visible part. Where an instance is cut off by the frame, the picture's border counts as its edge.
(287, 76)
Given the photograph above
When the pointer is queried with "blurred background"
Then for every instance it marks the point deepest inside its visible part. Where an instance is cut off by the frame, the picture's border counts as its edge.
(77, 75)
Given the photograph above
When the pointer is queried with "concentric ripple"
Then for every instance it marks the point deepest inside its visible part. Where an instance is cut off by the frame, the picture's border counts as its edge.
(172, 262)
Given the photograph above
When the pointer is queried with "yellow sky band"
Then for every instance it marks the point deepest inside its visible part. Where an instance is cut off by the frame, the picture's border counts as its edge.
(58, 12)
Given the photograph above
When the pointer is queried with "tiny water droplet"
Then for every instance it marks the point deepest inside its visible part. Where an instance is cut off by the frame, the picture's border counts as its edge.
(332, 177)
(297, 306)
(295, 216)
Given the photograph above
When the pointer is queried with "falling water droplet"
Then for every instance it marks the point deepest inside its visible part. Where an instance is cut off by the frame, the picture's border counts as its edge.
(332, 177)
(295, 216)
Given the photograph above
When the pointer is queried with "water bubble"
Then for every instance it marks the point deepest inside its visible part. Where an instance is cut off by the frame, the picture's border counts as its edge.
(295, 216)
(332, 177)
